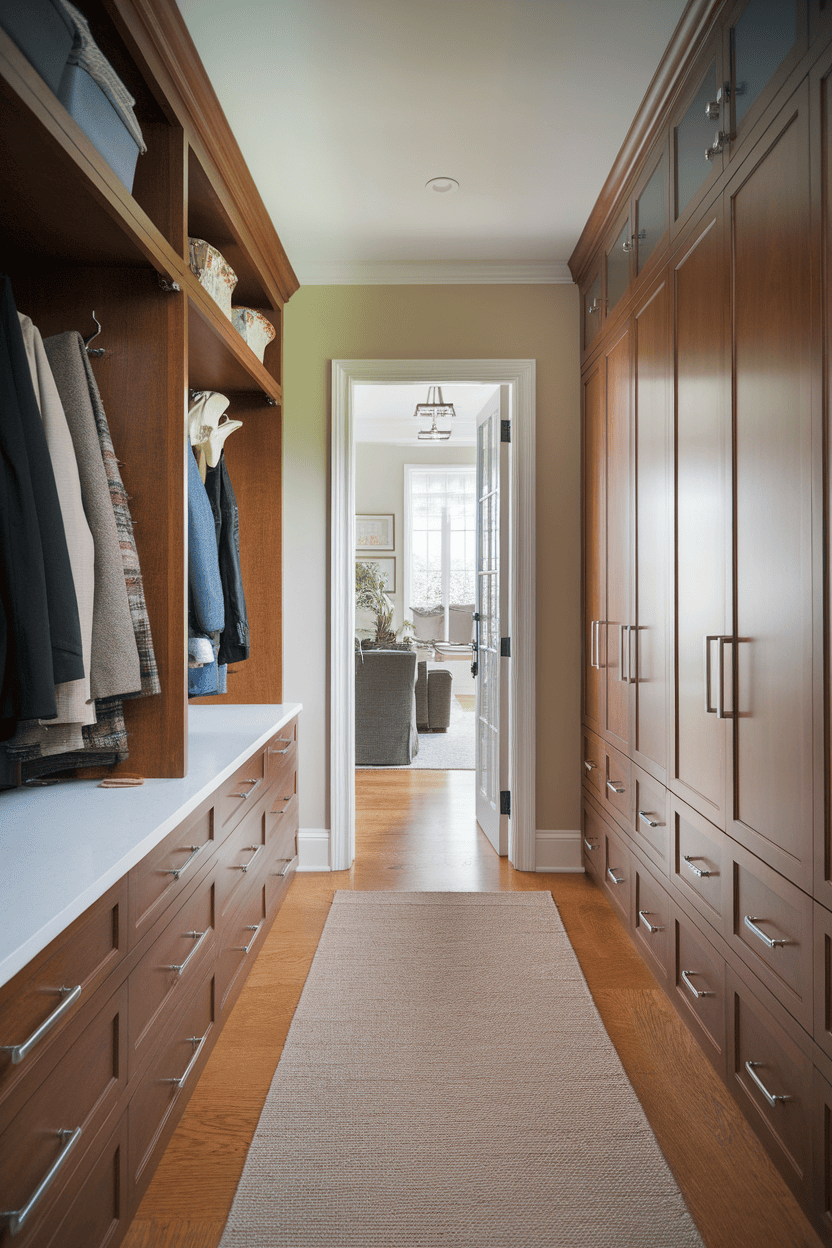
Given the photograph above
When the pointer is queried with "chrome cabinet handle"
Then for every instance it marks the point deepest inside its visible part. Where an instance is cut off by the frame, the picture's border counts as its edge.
(20, 1051)
(691, 987)
(622, 629)
(589, 845)
(628, 243)
(642, 914)
(768, 941)
(257, 849)
(590, 766)
(593, 646)
(282, 741)
(250, 927)
(615, 879)
(720, 139)
(198, 937)
(770, 1097)
(197, 1042)
(697, 871)
(718, 710)
(287, 862)
(16, 1218)
(644, 816)
(594, 307)
(177, 871)
(615, 786)
(255, 784)
(288, 798)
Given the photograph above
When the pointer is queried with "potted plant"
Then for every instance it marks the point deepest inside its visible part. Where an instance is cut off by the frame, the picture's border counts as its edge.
(370, 596)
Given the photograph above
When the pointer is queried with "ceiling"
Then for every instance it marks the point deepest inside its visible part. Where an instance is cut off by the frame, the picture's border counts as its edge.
(344, 109)
(385, 413)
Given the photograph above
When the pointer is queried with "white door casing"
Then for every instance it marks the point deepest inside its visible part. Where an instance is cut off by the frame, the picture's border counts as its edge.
(519, 377)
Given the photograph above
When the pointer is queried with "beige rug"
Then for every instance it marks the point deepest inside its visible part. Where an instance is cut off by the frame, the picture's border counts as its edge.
(447, 1081)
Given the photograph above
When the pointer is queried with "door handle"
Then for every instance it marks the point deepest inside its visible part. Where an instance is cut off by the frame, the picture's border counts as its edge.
(718, 710)
(622, 629)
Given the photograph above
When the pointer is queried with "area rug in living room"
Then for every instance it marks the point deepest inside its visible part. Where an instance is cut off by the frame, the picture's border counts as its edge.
(447, 1080)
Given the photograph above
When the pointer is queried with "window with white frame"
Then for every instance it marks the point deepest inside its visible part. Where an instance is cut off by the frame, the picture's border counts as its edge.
(440, 511)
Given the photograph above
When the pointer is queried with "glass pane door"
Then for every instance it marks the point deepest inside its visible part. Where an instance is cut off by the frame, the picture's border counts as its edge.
(618, 266)
(760, 42)
(696, 134)
(652, 212)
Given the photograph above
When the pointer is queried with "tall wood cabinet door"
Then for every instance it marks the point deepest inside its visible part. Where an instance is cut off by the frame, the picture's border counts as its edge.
(594, 690)
(618, 376)
(700, 739)
(775, 324)
(646, 642)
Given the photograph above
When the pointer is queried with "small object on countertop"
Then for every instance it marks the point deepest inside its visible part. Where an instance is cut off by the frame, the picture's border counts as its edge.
(121, 782)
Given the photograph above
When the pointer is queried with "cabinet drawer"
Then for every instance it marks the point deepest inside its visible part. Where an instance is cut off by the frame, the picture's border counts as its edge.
(239, 860)
(698, 862)
(240, 939)
(238, 794)
(699, 989)
(60, 1119)
(822, 1154)
(616, 878)
(771, 930)
(282, 822)
(653, 926)
(771, 1077)
(98, 1215)
(822, 960)
(650, 827)
(592, 763)
(172, 964)
(282, 752)
(58, 986)
(592, 840)
(167, 871)
(618, 786)
(167, 1084)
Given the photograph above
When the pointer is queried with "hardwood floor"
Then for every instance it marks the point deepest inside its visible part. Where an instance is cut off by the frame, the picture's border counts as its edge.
(416, 830)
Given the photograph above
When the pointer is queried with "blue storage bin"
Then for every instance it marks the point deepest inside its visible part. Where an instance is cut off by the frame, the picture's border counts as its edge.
(43, 32)
(84, 100)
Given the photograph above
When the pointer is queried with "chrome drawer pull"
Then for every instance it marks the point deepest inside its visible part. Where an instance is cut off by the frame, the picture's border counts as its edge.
(590, 766)
(697, 871)
(589, 845)
(177, 871)
(17, 1217)
(198, 937)
(197, 1042)
(248, 849)
(692, 987)
(282, 741)
(615, 786)
(768, 941)
(642, 914)
(644, 816)
(255, 784)
(285, 808)
(772, 1100)
(287, 862)
(614, 877)
(19, 1051)
(250, 927)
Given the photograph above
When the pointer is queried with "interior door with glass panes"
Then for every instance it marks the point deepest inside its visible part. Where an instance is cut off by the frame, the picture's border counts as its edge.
(491, 622)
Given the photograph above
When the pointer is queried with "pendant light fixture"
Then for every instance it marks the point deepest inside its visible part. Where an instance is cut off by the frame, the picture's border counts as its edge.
(434, 406)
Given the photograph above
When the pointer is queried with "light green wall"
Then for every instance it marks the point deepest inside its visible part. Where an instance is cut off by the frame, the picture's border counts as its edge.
(323, 323)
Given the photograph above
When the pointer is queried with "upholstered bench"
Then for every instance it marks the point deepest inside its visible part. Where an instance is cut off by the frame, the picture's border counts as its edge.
(433, 699)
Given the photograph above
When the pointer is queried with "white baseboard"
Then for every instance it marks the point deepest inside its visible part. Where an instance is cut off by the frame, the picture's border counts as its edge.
(313, 849)
(557, 851)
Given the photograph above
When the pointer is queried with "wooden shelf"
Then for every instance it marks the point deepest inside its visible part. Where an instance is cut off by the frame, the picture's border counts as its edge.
(218, 358)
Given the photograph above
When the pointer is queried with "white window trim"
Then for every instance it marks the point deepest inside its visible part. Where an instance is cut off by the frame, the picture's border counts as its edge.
(407, 580)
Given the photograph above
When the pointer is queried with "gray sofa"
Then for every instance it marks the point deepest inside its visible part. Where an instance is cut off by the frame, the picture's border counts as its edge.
(385, 708)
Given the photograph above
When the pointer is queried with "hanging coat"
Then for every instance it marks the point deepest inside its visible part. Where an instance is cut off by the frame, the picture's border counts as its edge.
(234, 642)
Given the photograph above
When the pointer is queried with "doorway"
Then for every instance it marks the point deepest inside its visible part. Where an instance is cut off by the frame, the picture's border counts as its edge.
(517, 379)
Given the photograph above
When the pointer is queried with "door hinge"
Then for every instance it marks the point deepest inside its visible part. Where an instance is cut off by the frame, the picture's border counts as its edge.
(505, 647)
(505, 801)
(505, 430)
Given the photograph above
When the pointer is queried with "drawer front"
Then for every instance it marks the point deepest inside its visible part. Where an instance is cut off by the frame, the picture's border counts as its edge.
(767, 1065)
(699, 989)
(165, 974)
(282, 822)
(592, 838)
(282, 752)
(98, 1215)
(240, 940)
(58, 987)
(651, 828)
(60, 1119)
(699, 867)
(239, 794)
(592, 763)
(652, 923)
(618, 786)
(168, 871)
(822, 1154)
(617, 879)
(167, 1084)
(772, 932)
(239, 860)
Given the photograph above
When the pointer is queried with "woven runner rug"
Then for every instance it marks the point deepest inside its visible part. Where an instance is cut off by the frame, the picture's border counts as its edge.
(448, 1081)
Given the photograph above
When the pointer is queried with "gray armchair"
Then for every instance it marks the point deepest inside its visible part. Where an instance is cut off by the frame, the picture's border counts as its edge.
(385, 708)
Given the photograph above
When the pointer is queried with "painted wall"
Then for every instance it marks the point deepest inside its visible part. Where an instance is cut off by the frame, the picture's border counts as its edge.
(379, 490)
(538, 322)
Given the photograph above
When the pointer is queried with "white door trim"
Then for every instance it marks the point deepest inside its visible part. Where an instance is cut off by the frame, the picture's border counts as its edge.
(519, 375)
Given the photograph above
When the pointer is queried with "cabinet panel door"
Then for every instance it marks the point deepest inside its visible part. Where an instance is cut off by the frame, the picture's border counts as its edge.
(766, 39)
(618, 612)
(703, 518)
(647, 642)
(773, 326)
(594, 549)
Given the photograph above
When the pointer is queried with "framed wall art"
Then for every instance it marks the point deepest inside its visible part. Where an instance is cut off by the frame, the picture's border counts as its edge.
(375, 533)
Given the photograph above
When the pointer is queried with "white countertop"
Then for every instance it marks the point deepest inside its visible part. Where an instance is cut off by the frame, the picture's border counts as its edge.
(63, 846)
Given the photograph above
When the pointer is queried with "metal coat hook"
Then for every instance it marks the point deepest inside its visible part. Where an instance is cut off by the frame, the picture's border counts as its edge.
(94, 351)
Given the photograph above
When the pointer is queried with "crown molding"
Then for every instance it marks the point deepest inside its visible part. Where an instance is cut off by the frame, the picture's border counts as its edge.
(434, 273)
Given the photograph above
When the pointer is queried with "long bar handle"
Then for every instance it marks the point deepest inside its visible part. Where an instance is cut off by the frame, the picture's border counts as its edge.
(198, 937)
(697, 871)
(622, 629)
(769, 941)
(16, 1218)
(770, 1097)
(249, 927)
(615, 879)
(709, 710)
(615, 786)
(642, 914)
(287, 862)
(282, 741)
(20, 1051)
(255, 784)
(593, 658)
(177, 871)
(197, 1042)
(257, 850)
(720, 706)
(646, 817)
(691, 987)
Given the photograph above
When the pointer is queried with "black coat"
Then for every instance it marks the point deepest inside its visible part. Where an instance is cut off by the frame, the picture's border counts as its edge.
(234, 642)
